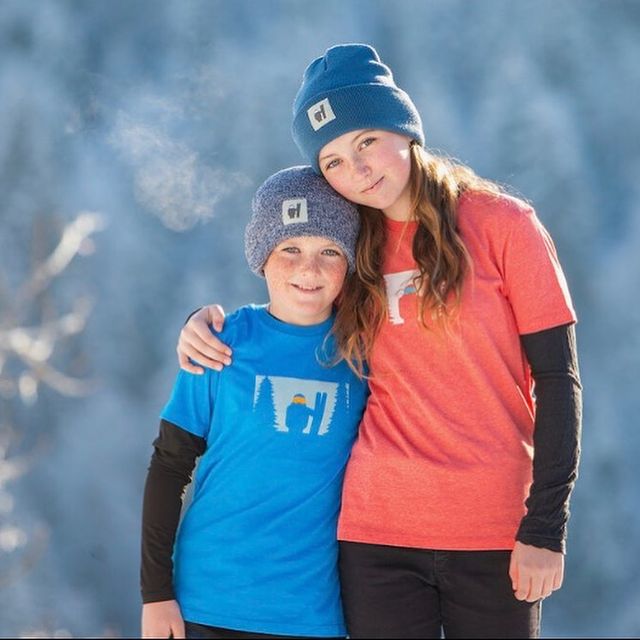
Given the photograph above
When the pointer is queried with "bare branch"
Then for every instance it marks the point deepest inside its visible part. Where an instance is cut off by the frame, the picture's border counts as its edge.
(61, 382)
(71, 244)
(37, 343)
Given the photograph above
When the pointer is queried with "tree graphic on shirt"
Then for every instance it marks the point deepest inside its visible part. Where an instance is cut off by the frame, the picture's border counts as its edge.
(340, 407)
(264, 409)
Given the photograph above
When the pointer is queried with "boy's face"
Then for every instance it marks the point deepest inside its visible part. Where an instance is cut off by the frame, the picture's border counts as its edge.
(304, 276)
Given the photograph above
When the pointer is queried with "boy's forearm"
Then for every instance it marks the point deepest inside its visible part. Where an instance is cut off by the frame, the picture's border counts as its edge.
(169, 472)
(553, 358)
(160, 518)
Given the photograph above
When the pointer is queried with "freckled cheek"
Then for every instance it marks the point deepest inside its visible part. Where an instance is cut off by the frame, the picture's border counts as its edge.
(277, 275)
(336, 275)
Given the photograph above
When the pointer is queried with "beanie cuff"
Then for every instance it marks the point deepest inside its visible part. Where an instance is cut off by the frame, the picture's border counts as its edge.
(348, 108)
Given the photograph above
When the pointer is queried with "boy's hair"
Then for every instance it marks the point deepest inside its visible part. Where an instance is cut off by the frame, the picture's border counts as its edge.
(298, 202)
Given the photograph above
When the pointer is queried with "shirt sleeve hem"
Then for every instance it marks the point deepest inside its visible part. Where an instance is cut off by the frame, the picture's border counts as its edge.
(157, 596)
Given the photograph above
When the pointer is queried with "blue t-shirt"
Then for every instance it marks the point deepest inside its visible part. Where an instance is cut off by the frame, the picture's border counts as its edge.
(256, 549)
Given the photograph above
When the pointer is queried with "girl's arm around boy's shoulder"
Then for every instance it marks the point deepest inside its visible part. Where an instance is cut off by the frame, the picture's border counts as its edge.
(204, 340)
(198, 346)
(207, 338)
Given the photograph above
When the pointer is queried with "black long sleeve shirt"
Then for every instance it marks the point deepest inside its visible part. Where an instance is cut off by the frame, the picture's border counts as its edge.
(172, 463)
(553, 358)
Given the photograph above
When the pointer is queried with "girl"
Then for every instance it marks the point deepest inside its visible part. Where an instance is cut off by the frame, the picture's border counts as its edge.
(455, 501)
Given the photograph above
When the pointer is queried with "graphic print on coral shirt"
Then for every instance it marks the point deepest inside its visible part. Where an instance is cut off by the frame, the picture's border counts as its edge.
(398, 285)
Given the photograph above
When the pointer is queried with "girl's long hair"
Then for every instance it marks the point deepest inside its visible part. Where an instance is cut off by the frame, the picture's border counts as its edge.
(442, 259)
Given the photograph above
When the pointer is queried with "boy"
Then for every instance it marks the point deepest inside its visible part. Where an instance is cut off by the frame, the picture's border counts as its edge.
(256, 552)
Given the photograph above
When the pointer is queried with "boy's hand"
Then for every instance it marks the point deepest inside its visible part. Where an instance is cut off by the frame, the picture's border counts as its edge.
(198, 343)
(162, 620)
(535, 573)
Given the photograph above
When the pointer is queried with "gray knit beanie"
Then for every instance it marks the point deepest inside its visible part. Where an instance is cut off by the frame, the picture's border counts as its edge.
(298, 202)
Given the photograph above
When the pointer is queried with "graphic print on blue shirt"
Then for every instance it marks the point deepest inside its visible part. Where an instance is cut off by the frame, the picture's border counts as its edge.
(256, 550)
(294, 405)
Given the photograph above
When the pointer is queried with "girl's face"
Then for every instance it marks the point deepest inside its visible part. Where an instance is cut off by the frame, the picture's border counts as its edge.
(370, 167)
(304, 276)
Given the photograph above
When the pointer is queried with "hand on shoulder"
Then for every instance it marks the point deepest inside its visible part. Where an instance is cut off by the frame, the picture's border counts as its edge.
(197, 344)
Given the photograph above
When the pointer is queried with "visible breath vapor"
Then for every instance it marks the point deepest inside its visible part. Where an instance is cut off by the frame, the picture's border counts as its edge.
(169, 178)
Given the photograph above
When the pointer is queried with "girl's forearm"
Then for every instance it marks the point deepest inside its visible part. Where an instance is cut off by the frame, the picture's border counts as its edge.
(553, 358)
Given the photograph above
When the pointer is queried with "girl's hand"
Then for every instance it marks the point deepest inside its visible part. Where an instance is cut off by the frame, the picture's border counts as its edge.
(198, 343)
(535, 573)
(162, 620)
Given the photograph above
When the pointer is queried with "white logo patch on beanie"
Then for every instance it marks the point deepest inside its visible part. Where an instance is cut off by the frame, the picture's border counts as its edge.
(320, 114)
(294, 211)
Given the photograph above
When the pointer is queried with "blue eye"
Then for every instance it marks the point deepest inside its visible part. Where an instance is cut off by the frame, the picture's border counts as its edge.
(332, 164)
(367, 142)
(331, 252)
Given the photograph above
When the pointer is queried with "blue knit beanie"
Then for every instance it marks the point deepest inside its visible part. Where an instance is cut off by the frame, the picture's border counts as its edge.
(298, 202)
(347, 89)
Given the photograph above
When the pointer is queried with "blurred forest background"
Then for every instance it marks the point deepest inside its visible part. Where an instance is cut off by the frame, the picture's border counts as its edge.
(132, 136)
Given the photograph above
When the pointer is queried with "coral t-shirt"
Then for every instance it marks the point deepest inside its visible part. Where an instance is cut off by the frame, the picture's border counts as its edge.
(444, 454)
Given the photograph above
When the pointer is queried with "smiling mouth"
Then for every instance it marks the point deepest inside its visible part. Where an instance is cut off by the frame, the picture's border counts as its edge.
(373, 186)
(304, 288)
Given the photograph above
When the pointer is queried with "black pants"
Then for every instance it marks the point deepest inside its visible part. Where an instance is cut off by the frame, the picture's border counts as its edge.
(397, 592)
(202, 631)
